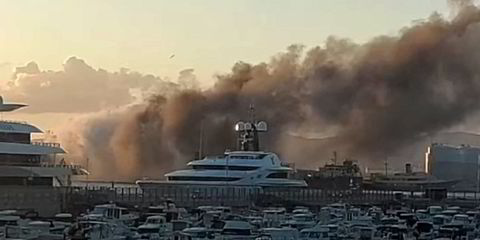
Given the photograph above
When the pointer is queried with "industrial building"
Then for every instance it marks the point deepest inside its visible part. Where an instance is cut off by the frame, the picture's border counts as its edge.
(448, 162)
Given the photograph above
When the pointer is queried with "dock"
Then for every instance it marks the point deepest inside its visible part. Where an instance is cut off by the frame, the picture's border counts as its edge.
(48, 201)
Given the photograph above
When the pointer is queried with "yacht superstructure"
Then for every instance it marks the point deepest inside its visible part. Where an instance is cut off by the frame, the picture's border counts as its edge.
(27, 162)
(238, 168)
(246, 167)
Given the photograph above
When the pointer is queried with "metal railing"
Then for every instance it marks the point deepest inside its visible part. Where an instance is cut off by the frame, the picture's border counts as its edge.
(14, 121)
(46, 144)
(239, 196)
(70, 166)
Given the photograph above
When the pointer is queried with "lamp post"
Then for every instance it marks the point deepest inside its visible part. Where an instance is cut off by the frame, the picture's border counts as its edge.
(478, 177)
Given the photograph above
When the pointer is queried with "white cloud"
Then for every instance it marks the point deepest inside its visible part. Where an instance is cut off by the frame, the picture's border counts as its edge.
(79, 87)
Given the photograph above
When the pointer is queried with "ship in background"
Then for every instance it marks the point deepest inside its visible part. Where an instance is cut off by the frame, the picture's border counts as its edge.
(248, 166)
(333, 176)
(25, 162)
(407, 181)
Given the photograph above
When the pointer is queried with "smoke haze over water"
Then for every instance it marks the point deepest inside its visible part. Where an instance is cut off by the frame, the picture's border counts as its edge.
(375, 97)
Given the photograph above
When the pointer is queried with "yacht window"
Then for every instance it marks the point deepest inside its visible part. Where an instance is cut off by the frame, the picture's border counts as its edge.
(198, 178)
(258, 156)
(99, 210)
(424, 227)
(109, 212)
(200, 234)
(155, 210)
(238, 232)
(223, 167)
(437, 220)
(148, 230)
(209, 167)
(243, 157)
(315, 234)
(242, 168)
(7, 222)
(117, 213)
(278, 175)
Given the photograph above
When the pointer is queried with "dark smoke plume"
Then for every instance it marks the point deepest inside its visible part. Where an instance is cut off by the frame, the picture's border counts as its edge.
(377, 96)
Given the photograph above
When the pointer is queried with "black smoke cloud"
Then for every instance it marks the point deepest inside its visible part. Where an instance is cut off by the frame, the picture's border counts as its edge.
(377, 97)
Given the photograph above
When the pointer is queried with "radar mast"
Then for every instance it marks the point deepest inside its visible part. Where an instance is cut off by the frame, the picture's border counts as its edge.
(248, 132)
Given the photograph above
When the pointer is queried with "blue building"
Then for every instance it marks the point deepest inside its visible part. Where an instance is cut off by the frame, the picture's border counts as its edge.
(449, 162)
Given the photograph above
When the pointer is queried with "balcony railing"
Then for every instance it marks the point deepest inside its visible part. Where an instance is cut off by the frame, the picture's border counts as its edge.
(76, 169)
(13, 121)
(46, 144)
(69, 166)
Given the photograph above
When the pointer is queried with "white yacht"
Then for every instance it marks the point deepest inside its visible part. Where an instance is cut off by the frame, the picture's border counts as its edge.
(247, 167)
(27, 162)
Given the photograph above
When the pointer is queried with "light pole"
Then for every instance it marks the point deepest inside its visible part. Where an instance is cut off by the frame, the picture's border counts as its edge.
(478, 176)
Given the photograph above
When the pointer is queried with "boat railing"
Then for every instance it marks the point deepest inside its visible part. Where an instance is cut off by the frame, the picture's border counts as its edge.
(62, 165)
(73, 167)
(46, 144)
(289, 165)
(14, 121)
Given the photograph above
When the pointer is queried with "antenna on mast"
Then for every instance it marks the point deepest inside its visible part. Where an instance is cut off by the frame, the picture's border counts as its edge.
(252, 113)
(248, 132)
(334, 159)
(200, 144)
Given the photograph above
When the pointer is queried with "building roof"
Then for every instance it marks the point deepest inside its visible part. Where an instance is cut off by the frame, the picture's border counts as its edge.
(29, 149)
(18, 127)
(8, 107)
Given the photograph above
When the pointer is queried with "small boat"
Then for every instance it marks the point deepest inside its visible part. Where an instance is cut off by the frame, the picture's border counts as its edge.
(300, 221)
(112, 213)
(423, 230)
(154, 228)
(196, 233)
(236, 230)
(284, 233)
(316, 233)
(92, 230)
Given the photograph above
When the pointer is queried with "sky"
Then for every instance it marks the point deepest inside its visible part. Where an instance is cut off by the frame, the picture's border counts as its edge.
(163, 37)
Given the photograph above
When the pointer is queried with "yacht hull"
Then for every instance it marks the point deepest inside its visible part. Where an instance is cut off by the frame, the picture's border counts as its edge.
(144, 184)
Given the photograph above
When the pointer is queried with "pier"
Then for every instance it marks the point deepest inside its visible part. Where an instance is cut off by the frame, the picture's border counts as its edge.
(238, 196)
(48, 201)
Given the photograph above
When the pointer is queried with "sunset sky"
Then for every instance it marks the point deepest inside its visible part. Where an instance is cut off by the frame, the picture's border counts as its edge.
(208, 36)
